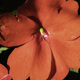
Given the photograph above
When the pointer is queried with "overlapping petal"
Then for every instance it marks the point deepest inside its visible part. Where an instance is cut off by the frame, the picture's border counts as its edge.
(33, 60)
(15, 31)
(4, 73)
(6, 77)
(42, 58)
(61, 68)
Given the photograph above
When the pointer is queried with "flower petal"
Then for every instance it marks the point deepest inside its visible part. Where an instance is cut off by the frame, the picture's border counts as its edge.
(61, 68)
(15, 31)
(68, 51)
(65, 24)
(3, 71)
(33, 60)
(6, 77)
(38, 9)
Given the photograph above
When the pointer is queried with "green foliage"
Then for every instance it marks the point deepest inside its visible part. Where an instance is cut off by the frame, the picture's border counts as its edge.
(3, 49)
(74, 70)
(14, 12)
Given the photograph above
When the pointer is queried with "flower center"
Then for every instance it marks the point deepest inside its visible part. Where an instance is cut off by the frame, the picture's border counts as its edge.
(43, 32)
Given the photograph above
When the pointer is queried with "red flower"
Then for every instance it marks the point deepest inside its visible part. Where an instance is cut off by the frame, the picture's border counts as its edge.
(46, 56)
(4, 73)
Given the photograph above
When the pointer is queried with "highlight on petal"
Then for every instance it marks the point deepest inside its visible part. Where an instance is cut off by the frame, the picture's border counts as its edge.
(33, 60)
(3, 71)
(17, 30)
(64, 25)
(6, 77)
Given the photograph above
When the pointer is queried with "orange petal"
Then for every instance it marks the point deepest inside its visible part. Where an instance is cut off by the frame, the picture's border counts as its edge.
(15, 31)
(33, 60)
(64, 24)
(69, 9)
(6, 77)
(68, 51)
(62, 68)
(38, 9)
(3, 71)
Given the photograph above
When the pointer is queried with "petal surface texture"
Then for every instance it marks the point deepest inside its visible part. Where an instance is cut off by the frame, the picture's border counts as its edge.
(39, 9)
(65, 24)
(3, 71)
(33, 60)
(68, 51)
(15, 31)
(35, 56)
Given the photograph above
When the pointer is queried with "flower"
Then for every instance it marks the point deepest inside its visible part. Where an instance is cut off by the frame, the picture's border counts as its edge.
(47, 55)
(4, 73)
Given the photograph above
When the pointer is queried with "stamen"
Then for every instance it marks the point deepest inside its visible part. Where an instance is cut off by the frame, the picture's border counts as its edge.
(41, 31)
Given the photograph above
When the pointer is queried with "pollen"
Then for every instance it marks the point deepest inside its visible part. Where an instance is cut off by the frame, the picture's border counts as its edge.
(41, 31)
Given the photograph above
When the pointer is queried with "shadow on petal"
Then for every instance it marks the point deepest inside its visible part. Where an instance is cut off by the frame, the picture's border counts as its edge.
(2, 36)
(53, 68)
